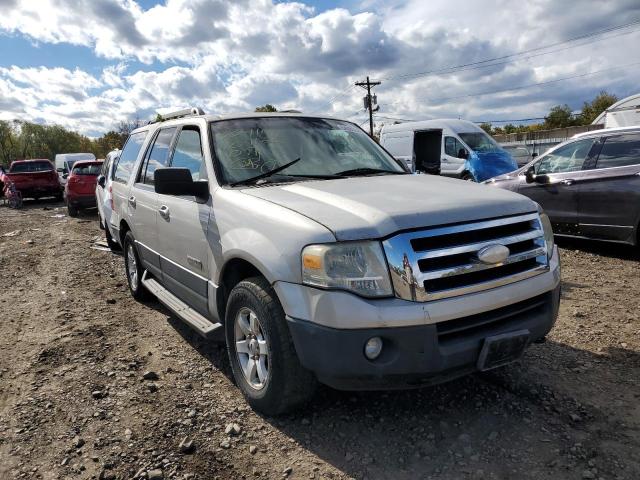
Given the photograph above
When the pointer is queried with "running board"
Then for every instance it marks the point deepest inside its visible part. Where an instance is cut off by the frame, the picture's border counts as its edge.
(184, 312)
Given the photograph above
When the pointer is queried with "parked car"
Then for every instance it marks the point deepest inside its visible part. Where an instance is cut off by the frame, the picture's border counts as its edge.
(35, 178)
(520, 153)
(455, 148)
(104, 199)
(322, 259)
(81, 186)
(589, 185)
(64, 163)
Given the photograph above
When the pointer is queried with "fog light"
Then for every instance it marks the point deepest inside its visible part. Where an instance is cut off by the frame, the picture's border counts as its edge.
(373, 347)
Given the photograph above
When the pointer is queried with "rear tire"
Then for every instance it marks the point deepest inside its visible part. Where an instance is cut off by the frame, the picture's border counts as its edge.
(111, 243)
(134, 269)
(73, 211)
(272, 380)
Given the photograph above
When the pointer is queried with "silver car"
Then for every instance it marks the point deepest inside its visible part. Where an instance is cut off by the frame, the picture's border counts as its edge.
(323, 260)
(104, 198)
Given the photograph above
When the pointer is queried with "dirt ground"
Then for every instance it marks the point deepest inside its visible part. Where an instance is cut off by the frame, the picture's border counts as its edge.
(75, 349)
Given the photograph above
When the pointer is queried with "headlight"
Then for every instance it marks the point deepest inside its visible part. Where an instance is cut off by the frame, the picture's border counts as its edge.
(548, 233)
(359, 267)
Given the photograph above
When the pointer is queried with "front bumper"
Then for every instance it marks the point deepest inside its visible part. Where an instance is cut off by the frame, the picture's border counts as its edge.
(428, 343)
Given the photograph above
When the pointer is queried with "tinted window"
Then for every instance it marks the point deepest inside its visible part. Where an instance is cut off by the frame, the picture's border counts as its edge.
(30, 167)
(158, 156)
(188, 153)
(479, 142)
(87, 169)
(568, 158)
(620, 151)
(128, 157)
(452, 146)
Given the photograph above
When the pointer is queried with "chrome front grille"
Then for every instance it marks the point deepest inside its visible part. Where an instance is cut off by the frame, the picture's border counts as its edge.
(443, 262)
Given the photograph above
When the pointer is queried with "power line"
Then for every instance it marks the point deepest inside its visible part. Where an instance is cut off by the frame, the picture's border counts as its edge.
(337, 96)
(521, 87)
(517, 54)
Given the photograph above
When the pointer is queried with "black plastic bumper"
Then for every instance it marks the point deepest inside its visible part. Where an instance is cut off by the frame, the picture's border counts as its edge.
(419, 355)
(83, 201)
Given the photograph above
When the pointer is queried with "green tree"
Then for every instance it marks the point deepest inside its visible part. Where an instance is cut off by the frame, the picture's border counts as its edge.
(266, 108)
(591, 110)
(487, 127)
(559, 116)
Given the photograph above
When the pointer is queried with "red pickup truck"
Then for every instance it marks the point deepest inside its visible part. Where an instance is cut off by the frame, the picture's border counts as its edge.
(35, 178)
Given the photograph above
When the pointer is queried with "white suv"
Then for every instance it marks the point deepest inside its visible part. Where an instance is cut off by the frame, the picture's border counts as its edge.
(323, 259)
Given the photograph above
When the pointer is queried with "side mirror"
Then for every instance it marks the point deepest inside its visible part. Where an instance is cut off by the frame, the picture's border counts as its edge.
(530, 174)
(65, 175)
(178, 181)
(462, 153)
(102, 181)
(542, 179)
(534, 154)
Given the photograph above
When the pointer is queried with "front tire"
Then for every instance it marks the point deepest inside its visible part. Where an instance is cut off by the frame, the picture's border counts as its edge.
(466, 176)
(134, 269)
(263, 359)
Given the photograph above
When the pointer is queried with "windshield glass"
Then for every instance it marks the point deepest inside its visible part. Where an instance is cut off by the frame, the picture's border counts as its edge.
(249, 147)
(480, 142)
(87, 169)
(30, 167)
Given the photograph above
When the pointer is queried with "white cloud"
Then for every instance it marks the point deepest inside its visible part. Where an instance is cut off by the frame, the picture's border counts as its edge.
(234, 55)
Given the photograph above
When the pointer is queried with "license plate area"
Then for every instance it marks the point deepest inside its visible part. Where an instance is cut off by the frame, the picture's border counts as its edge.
(502, 349)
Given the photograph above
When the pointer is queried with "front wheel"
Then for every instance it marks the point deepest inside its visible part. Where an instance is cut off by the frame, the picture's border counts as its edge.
(468, 177)
(263, 359)
(134, 269)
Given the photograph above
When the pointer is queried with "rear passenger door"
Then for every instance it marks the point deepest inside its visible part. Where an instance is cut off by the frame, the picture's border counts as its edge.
(143, 200)
(182, 226)
(609, 195)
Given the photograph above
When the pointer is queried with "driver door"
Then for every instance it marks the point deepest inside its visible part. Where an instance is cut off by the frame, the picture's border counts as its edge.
(451, 163)
(558, 195)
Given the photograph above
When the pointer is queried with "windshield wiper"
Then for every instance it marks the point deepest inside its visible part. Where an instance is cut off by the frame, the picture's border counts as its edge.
(368, 171)
(248, 181)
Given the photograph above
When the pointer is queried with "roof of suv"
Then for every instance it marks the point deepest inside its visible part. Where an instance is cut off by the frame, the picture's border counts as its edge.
(606, 131)
(233, 116)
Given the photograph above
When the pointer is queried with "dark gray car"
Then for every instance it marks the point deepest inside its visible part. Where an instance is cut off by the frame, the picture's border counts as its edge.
(589, 186)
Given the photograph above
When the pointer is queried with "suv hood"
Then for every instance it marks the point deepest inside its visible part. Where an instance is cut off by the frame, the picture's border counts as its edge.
(377, 206)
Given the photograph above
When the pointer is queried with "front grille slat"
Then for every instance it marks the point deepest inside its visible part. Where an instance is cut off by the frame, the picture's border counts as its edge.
(443, 262)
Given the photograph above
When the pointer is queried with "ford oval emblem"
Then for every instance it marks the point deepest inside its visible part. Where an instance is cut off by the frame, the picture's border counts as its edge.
(493, 254)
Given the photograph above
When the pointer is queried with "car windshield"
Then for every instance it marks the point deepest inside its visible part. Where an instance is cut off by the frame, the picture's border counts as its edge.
(479, 142)
(246, 148)
(88, 169)
(30, 167)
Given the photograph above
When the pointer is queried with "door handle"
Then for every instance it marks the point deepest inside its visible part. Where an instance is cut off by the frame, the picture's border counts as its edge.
(132, 201)
(164, 212)
(568, 181)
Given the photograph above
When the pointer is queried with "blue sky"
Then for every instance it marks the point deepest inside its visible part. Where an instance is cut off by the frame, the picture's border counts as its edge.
(88, 65)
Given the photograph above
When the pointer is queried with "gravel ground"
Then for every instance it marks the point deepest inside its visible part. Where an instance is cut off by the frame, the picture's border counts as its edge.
(96, 385)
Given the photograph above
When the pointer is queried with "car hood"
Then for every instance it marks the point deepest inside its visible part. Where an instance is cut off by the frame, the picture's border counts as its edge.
(377, 206)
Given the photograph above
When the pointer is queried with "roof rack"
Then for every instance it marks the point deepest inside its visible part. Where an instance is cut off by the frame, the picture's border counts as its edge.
(185, 112)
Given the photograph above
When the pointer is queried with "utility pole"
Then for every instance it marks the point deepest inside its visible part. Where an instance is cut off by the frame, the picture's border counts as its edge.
(367, 86)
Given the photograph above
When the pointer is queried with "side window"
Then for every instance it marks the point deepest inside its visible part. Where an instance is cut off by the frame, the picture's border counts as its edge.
(620, 151)
(128, 157)
(569, 158)
(188, 153)
(158, 155)
(450, 146)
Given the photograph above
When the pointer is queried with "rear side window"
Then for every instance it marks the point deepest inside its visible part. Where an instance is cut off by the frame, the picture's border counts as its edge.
(620, 151)
(128, 157)
(158, 155)
(188, 153)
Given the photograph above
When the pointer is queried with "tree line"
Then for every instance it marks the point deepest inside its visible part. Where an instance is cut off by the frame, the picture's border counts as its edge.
(560, 116)
(24, 140)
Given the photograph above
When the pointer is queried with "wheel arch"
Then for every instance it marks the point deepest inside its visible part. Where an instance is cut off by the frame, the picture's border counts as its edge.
(234, 271)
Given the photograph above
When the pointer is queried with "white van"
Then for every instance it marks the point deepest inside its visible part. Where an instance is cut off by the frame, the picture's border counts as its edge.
(64, 163)
(455, 148)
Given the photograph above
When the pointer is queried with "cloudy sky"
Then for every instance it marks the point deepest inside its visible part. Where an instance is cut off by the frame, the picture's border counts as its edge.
(86, 64)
